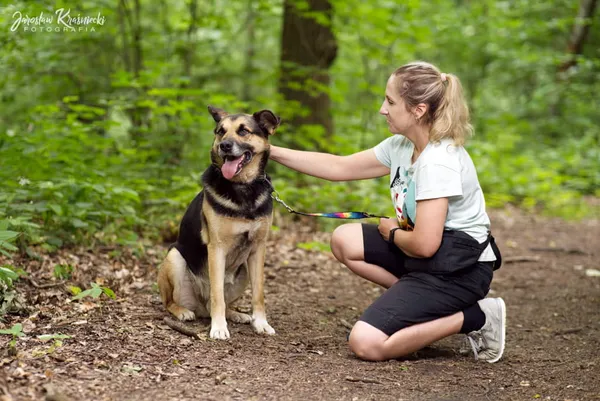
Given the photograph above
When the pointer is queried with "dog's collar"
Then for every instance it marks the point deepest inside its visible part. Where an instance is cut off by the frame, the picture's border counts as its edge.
(264, 177)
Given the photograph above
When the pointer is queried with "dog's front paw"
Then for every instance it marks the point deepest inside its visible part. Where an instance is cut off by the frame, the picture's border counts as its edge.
(219, 332)
(262, 327)
(238, 317)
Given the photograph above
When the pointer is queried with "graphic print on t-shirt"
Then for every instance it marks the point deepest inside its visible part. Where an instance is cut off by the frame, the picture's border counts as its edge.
(403, 197)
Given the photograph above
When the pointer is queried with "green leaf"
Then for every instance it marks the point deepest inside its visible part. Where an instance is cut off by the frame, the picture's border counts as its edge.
(77, 223)
(109, 293)
(16, 330)
(8, 235)
(75, 290)
(9, 273)
(8, 246)
(57, 209)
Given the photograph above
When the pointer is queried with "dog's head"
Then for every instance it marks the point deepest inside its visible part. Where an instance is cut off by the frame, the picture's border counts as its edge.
(241, 145)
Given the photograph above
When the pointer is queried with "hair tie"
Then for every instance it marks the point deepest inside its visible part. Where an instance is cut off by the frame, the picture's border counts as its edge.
(443, 76)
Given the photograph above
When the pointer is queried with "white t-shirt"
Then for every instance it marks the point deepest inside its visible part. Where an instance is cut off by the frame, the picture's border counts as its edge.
(441, 171)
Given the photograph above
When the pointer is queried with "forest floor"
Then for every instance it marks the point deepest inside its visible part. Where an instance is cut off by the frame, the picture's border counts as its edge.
(122, 350)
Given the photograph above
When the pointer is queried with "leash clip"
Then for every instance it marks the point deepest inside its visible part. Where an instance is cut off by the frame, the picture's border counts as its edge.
(275, 195)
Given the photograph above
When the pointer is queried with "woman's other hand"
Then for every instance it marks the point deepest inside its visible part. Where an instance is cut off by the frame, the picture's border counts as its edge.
(385, 225)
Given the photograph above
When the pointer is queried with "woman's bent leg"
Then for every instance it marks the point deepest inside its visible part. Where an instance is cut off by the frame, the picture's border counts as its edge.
(347, 245)
(371, 344)
(418, 310)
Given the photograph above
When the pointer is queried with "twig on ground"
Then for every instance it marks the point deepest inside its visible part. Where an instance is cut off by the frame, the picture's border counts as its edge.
(41, 286)
(362, 380)
(345, 324)
(565, 250)
(568, 331)
(181, 327)
(487, 390)
(517, 259)
(320, 338)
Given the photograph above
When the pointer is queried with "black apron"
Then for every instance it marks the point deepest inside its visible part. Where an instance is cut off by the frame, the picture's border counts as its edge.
(457, 251)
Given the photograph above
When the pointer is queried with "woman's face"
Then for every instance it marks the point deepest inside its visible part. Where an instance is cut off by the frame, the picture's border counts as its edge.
(399, 119)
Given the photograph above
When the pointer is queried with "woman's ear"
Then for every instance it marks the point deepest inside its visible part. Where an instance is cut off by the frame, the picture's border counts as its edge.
(420, 110)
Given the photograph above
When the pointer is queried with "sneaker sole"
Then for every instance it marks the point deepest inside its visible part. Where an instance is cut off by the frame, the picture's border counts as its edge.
(502, 332)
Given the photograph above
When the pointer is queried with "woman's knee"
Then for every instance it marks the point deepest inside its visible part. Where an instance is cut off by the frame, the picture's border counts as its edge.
(344, 240)
(367, 342)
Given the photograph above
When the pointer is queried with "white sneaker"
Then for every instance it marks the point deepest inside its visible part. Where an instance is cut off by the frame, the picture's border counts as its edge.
(488, 342)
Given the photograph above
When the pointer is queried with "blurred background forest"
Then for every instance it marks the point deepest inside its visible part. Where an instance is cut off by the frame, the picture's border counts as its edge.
(104, 129)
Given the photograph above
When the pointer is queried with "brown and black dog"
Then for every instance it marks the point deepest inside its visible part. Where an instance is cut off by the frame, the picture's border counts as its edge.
(222, 236)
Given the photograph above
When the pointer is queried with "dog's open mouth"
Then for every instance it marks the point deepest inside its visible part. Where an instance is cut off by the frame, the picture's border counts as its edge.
(233, 165)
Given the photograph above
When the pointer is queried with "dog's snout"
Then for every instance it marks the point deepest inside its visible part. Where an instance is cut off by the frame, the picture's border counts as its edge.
(226, 146)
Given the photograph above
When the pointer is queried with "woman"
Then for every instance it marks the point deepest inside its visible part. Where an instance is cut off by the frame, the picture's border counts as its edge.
(436, 259)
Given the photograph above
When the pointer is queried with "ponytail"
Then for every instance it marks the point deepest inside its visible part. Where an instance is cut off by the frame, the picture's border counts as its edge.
(448, 113)
(451, 118)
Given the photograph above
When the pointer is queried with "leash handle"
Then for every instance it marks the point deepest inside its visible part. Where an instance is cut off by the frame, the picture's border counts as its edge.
(334, 215)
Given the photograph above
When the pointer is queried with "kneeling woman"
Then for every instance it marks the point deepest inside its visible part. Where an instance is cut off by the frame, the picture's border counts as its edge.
(436, 259)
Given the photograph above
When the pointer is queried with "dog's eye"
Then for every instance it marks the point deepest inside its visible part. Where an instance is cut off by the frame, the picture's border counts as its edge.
(220, 131)
(243, 131)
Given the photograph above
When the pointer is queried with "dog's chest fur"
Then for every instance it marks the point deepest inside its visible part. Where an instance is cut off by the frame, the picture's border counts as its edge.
(234, 216)
(237, 240)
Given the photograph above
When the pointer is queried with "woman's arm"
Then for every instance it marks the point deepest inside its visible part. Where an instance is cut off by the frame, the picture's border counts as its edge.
(357, 166)
(425, 239)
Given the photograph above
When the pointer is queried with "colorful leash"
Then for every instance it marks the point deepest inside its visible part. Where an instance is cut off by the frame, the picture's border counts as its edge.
(334, 215)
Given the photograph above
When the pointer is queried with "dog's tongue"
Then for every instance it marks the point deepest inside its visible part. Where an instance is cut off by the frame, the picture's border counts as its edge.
(230, 167)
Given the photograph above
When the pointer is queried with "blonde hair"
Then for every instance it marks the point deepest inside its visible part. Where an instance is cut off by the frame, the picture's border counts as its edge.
(448, 113)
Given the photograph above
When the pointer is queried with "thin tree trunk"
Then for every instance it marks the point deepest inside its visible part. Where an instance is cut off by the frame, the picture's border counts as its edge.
(308, 49)
(125, 40)
(137, 42)
(174, 149)
(579, 33)
(248, 64)
(189, 53)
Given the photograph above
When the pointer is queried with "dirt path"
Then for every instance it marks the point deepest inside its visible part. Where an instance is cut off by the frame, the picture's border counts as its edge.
(121, 350)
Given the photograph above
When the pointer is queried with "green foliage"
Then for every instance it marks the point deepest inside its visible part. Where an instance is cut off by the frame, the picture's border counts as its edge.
(10, 299)
(93, 292)
(15, 331)
(6, 239)
(8, 276)
(314, 246)
(102, 151)
(63, 272)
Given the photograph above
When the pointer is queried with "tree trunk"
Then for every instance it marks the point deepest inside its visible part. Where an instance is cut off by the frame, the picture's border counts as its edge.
(308, 49)
(123, 30)
(580, 31)
(250, 53)
(137, 41)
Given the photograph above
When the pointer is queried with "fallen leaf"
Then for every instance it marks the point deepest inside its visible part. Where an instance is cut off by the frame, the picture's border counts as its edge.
(592, 273)
(131, 369)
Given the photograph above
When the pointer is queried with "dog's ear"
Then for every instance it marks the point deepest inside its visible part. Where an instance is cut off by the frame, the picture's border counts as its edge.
(217, 114)
(267, 120)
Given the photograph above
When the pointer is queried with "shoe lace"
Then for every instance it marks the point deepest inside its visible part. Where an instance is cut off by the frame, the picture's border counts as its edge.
(476, 341)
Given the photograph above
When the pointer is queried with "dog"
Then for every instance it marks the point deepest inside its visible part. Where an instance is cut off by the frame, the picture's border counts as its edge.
(222, 236)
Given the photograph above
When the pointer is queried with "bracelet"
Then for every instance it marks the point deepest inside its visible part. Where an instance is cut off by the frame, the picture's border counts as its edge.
(391, 237)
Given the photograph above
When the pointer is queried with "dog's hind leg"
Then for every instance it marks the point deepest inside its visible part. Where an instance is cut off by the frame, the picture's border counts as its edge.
(176, 287)
(232, 292)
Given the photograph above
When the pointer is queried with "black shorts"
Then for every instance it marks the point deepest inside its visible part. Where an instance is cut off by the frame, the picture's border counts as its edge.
(419, 297)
